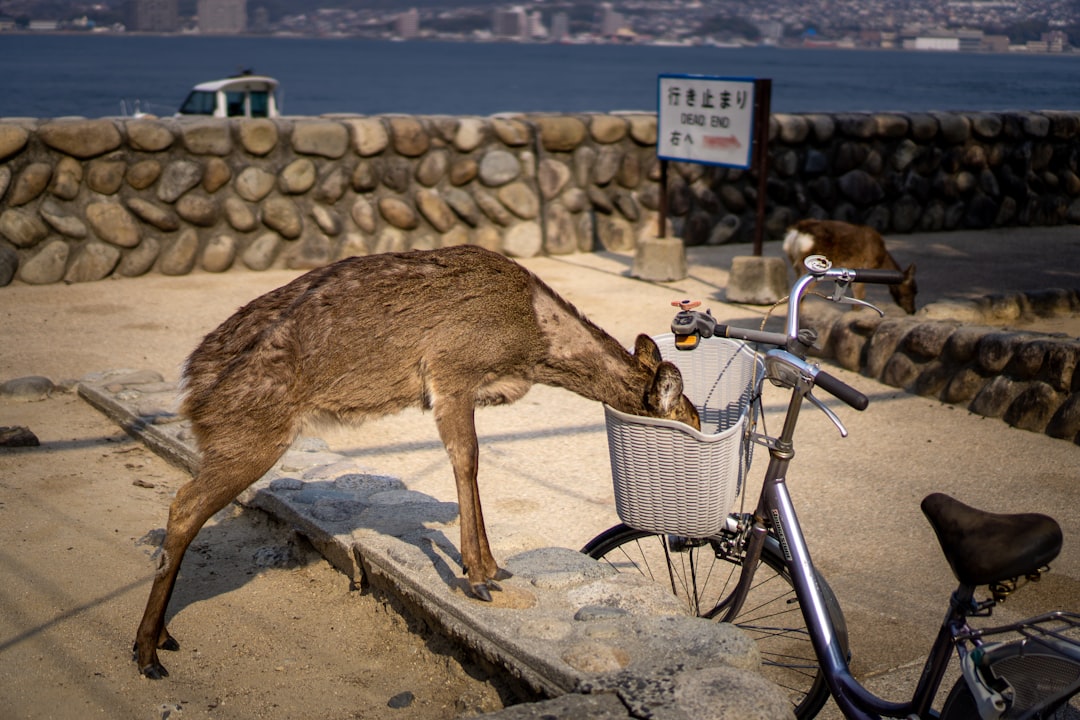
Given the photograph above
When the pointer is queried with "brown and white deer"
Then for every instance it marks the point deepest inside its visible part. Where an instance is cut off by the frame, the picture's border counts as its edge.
(850, 246)
(448, 330)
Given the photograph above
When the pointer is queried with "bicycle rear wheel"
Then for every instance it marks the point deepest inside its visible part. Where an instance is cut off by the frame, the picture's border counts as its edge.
(703, 575)
(1031, 675)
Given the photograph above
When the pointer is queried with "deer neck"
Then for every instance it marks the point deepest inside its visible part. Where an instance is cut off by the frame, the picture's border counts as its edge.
(581, 357)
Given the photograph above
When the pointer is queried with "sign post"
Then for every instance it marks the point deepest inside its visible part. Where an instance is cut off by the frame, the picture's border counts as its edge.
(722, 121)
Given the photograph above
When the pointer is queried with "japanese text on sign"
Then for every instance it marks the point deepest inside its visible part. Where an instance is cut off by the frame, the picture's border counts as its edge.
(705, 119)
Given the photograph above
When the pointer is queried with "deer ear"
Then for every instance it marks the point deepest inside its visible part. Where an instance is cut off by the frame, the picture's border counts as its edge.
(647, 353)
(665, 390)
(910, 272)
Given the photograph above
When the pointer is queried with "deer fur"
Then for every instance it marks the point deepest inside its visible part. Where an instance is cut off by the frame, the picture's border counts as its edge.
(850, 246)
(447, 330)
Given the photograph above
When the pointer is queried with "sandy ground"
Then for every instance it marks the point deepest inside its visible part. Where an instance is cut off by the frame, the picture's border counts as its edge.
(267, 628)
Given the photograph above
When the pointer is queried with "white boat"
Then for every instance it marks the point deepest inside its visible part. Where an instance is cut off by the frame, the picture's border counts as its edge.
(244, 95)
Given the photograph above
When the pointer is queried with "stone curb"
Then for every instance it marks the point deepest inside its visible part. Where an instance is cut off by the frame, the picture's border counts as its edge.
(1027, 379)
(563, 624)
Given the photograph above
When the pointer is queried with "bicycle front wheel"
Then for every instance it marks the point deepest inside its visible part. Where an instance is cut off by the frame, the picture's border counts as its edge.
(703, 575)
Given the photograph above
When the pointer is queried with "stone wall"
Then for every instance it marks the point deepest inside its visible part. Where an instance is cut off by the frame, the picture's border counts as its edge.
(1029, 380)
(85, 199)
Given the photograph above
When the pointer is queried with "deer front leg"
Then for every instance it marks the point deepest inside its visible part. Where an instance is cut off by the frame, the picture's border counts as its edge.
(457, 429)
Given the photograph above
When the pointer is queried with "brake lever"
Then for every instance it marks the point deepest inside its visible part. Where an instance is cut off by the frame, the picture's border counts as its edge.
(840, 296)
(828, 413)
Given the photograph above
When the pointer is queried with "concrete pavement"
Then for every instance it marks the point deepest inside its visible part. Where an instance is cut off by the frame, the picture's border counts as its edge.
(544, 470)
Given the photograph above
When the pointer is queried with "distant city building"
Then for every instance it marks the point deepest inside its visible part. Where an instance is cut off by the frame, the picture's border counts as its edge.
(510, 23)
(155, 15)
(260, 20)
(560, 26)
(222, 17)
(611, 22)
(535, 26)
(407, 24)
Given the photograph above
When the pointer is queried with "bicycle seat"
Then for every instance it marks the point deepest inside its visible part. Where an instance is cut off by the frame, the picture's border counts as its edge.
(983, 547)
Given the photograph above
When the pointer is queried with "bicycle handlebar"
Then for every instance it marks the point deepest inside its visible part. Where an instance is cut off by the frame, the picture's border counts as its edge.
(841, 390)
(689, 324)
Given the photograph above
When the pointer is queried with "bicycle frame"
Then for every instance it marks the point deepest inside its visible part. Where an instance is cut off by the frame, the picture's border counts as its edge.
(776, 511)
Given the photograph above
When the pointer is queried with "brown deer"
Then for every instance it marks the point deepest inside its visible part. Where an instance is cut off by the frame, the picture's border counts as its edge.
(851, 246)
(447, 330)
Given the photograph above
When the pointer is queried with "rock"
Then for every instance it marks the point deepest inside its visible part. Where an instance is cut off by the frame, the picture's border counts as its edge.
(369, 136)
(22, 228)
(435, 209)
(113, 223)
(363, 214)
(607, 165)
(94, 261)
(492, 208)
(327, 220)
(552, 176)
(27, 389)
(206, 137)
(61, 222)
(253, 184)
(143, 174)
(463, 205)
(12, 139)
(408, 136)
(139, 261)
(332, 186)
(105, 176)
(9, 265)
(257, 135)
(398, 213)
(499, 167)
(66, 178)
(83, 139)
(298, 177)
(511, 131)
(215, 175)
(262, 252)
(179, 256)
(239, 215)
(219, 253)
(178, 177)
(432, 168)
(607, 129)
(470, 134)
(560, 133)
(48, 265)
(282, 215)
(198, 209)
(643, 129)
(30, 183)
(148, 135)
(320, 137)
(18, 436)
(397, 174)
(520, 199)
(523, 240)
(463, 170)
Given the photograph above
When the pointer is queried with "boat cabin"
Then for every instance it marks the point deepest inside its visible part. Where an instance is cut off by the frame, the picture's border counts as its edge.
(239, 96)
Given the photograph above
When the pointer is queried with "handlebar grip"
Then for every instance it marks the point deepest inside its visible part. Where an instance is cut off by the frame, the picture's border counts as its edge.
(879, 277)
(841, 390)
(759, 336)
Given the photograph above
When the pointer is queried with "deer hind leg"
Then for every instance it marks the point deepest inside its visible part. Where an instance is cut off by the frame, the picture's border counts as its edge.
(221, 478)
(457, 429)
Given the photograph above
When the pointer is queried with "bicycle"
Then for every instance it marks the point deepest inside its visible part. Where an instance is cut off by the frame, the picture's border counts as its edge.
(754, 568)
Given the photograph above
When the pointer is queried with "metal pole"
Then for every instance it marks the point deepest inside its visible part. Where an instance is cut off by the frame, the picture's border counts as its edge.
(762, 108)
(662, 232)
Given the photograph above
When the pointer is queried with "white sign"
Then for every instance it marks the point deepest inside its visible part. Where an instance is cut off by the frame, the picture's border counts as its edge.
(705, 119)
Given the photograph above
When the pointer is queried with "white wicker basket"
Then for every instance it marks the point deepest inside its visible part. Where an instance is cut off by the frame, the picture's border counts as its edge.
(668, 477)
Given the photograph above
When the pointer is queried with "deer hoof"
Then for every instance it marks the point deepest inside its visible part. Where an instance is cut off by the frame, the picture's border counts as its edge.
(154, 671)
(169, 644)
(480, 590)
